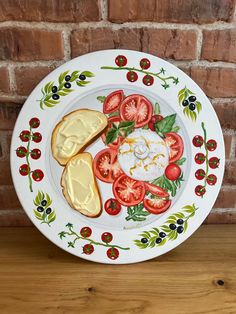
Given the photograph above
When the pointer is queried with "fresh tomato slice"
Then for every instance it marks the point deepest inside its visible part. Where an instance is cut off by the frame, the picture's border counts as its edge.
(116, 120)
(105, 165)
(175, 145)
(127, 191)
(156, 190)
(113, 101)
(136, 108)
(156, 205)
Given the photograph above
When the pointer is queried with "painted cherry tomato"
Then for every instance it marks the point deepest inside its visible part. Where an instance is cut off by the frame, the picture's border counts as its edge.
(156, 190)
(121, 61)
(88, 249)
(145, 63)
(35, 153)
(106, 166)
(34, 123)
(200, 190)
(113, 101)
(106, 237)
(127, 191)
(112, 206)
(37, 175)
(136, 108)
(214, 162)
(37, 137)
(211, 179)
(148, 80)
(25, 136)
(24, 170)
(156, 205)
(132, 76)
(211, 145)
(198, 141)
(86, 232)
(155, 118)
(199, 158)
(200, 174)
(115, 144)
(175, 145)
(21, 151)
(172, 172)
(113, 253)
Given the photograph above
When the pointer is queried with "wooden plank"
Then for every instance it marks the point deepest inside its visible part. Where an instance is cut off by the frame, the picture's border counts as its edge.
(37, 277)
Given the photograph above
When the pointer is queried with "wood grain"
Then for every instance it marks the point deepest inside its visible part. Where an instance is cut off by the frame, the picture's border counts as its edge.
(37, 277)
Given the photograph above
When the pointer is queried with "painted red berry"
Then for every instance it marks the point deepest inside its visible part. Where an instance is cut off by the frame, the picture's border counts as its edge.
(37, 137)
(200, 190)
(145, 63)
(106, 237)
(25, 136)
(24, 170)
(21, 151)
(121, 61)
(211, 179)
(198, 141)
(211, 145)
(86, 232)
(34, 123)
(35, 153)
(200, 174)
(148, 80)
(37, 175)
(132, 76)
(113, 253)
(155, 118)
(200, 158)
(88, 249)
(214, 162)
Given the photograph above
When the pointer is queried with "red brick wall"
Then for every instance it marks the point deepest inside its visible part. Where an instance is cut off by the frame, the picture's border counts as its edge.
(38, 35)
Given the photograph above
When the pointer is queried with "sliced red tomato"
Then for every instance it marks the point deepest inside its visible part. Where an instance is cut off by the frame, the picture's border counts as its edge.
(136, 108)
(116, 120)
(127, 191)
(156, 190)
(113, 101)
(176, 146)
(105, 165)
(156, 205)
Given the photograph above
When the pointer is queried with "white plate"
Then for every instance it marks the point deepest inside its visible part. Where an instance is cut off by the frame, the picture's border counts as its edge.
(169, 89)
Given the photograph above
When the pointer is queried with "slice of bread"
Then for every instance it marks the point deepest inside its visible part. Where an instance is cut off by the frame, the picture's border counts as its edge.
(74, 132)
(79, 186)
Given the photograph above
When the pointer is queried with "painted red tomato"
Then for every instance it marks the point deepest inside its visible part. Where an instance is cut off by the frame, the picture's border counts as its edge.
(113, 120)
(106, 237)
(156, 190)
(35, 153)
(121, 61)
(37, 137)
(106, 166)
(145, 63)
(113, 253)
(175, 145)
(198, 141)
(148, 80)
(127, 191)
(113, 101)
(132, 76)
(86, 232)
(25, 136)
(200, 174)
(155, 118)
(88, 249)
(172, 172)
(200, 190)
(37, 175)
(211, 145)
(211, 179)
(24, 170)
(136, 108)
(214, 162)
(112, 206)
(21, 151)
(156, 205)
(199, 158)
(34, 123)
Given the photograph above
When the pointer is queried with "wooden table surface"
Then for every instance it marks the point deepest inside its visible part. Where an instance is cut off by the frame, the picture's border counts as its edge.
(197, 277)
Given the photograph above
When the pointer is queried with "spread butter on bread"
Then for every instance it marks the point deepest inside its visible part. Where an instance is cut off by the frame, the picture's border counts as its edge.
(74, 132)
(79, 186)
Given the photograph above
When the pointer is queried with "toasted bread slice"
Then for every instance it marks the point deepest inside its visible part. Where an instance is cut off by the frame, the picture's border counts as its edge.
(74, 132)
(79, 185)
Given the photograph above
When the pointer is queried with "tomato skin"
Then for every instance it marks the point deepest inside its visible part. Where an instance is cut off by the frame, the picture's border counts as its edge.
(155, 118)
(200, 174)
(198, 141)
(105, 165)
(24, 170)
(88, 249)
(145, 63)
(37, 137)
(37, 175)
(21, 151)
(156, 190)
(156, 206)
(127, 191)
(214, 162)
(136, 108)
(176, 146)
(172, 172)
(86, 232)
(132, 76)
(113, 253)
(148, 80)
(35, 153)
(114, 145)
(200, 190)
(106, 237)
(211, 179)
(25, 136)
(112, 206)
(200, 158)
(34, 123)
(121, 61)
(211, 145)
(113, 101)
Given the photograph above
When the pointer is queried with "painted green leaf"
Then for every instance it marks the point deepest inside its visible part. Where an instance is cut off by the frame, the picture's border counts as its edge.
(101, 98)
(37, 215)
(111, 135)
(87, 74)
(62, 76)
(157, 108)
(198, 106)
(166, 124)
(181, 161)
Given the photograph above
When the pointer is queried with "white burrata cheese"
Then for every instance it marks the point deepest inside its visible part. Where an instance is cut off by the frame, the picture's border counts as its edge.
(143, 155)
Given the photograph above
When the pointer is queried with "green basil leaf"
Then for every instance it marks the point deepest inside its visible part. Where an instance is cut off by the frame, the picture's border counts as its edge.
(113, 114)
(101, 98)
(126, 124)
(181, 161)
(166, 124)
(157, 108)
(111, 136)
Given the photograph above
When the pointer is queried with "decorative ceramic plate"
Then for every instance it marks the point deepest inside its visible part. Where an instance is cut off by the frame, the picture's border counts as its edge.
(158, 164)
